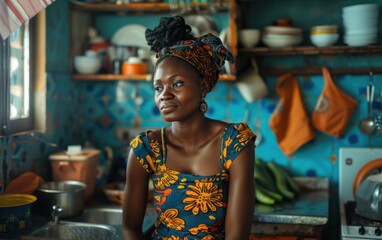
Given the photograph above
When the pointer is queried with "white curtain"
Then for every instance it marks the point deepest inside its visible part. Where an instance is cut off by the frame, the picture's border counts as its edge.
(13, 13)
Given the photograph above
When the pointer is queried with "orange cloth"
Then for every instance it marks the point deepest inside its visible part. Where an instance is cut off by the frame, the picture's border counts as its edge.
(290, 122)
(25, 183)
(333, 108)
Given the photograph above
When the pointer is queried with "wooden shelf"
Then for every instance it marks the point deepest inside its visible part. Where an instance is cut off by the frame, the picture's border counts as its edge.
(277, 71)
(311, 50)
(138, 7)
(131, 77)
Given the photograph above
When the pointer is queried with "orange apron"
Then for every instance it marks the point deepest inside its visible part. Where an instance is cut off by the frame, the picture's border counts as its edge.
(290, 122)
(333, 108)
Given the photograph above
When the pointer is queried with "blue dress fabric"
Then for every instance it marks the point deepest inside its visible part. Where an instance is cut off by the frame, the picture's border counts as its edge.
(190, 206)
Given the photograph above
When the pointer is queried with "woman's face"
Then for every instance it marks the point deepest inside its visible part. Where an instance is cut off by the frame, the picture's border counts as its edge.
(177, 90)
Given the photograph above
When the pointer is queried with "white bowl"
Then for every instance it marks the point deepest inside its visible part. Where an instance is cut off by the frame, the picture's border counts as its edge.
(361, 8)
(87, 65)
(324, 29)
(283, 30)
(324, 39)
(282, 41)
(249, 38)
(360, 40)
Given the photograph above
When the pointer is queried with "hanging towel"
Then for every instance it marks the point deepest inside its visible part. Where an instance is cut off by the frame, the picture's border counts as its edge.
(26, 183)
(334, 108)
(13, 13)
(290, 122)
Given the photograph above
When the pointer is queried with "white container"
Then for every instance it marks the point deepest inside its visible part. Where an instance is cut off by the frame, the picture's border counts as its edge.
(80, 167)
(324, 39)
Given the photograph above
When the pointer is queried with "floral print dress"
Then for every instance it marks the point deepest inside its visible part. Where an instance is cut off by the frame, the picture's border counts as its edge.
(190, 206)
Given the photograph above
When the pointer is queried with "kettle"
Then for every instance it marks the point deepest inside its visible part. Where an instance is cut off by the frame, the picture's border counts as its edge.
(369, 197)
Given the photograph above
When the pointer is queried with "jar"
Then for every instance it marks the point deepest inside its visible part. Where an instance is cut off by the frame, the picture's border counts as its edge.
(134, 65)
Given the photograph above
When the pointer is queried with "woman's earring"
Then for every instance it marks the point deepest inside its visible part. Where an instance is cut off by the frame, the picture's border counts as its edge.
(203, 107)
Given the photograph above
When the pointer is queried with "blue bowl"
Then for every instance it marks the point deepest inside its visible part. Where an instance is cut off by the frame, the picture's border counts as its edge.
(15, 214)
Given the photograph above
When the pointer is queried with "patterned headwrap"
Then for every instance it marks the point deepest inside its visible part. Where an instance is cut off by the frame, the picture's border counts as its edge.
(206, 53)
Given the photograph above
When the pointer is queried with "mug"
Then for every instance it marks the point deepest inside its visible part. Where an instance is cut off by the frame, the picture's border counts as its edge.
(251, 85)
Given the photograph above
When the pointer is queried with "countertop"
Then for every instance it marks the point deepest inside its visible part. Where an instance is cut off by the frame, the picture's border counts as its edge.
(308, 212)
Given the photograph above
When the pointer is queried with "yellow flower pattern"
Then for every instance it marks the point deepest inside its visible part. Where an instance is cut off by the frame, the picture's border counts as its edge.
(169, 218)
(190, 206)
(168, 178)
(203, 196)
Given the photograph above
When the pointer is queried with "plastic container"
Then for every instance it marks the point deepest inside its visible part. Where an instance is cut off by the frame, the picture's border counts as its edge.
(80, 167)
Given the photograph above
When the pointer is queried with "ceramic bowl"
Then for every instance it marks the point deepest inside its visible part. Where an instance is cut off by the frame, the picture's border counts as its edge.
(15, 214)
(275, 41)
(360, 40)
(283, 30)
(324, 39)
(87, 64)
(322, 29)
(249, 38)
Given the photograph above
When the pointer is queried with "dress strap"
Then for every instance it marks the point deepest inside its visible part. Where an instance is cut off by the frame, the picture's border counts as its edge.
(163, 145)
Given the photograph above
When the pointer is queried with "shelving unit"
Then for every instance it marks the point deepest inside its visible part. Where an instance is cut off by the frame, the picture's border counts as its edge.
(133, 8)
(131, 77)
(315, 51)
(82, 11)
(312, 50)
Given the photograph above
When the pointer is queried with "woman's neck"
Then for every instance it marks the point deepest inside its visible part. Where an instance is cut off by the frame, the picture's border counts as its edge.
(191, 133)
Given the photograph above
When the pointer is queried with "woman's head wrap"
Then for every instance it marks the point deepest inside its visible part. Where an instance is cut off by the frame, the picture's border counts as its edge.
(206, 53)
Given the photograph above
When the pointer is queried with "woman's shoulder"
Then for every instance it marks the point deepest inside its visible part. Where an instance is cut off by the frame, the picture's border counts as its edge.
(144, 137)
(237, 127)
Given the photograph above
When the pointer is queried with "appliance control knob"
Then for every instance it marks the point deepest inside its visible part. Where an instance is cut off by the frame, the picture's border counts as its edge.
(362, 230)
(378, 232)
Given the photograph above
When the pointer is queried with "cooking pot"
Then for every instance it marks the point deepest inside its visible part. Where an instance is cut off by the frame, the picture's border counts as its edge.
(369, 197)
(15, 214)
(69, 195)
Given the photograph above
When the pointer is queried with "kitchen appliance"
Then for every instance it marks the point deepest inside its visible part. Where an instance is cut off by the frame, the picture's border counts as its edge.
(355, 164)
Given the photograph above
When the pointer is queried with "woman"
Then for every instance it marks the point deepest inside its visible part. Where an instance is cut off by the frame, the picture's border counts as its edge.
(202, 168)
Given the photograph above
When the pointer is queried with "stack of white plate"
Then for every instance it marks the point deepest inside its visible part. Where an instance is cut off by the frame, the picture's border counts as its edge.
(360, 24)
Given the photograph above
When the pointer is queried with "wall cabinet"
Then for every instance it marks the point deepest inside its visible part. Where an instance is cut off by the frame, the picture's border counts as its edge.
(82, 15)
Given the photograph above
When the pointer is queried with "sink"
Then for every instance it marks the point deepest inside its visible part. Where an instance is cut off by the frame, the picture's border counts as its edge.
(113, 216)
(108, 216)
(92, 223)
(73, 230)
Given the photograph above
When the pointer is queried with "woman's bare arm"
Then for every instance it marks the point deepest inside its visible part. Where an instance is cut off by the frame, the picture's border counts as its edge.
(135, 199)
(241, 199)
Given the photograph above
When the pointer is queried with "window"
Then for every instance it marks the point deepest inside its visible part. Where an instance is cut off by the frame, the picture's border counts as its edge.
(18, 76)
(16, 80)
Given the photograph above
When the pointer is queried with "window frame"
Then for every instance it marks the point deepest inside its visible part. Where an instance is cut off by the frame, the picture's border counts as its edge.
(15, 126)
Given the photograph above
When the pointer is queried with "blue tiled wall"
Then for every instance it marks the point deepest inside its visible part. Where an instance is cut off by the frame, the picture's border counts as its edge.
(81, 111)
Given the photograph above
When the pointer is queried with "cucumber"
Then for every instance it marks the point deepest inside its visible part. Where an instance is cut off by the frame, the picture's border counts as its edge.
(280, 181)
(263, 198)
(290, 182)
(276, 196)
(263, 175)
